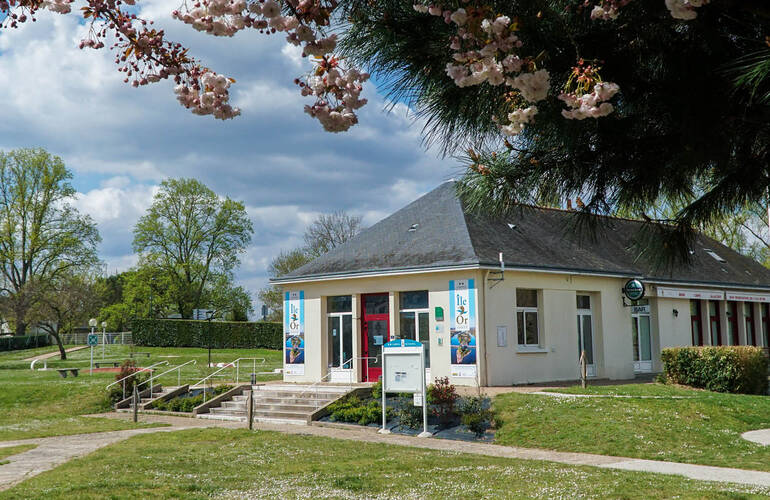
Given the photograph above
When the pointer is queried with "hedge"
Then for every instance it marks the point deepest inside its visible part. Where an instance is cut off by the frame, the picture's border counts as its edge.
(222, 334)
(24, 342)
(736, 369)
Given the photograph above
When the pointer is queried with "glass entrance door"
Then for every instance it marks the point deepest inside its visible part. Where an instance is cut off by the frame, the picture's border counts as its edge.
(340, 343)
(375, 331)
(586, 333)
(640, 329)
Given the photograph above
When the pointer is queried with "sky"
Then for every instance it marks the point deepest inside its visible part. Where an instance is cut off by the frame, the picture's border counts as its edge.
(121, 142)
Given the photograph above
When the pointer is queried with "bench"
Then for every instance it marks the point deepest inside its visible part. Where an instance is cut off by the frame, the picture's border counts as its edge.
(115, 364)
(63, 372)
(132, 354)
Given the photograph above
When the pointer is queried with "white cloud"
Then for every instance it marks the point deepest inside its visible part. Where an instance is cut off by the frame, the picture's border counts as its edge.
(122, 142)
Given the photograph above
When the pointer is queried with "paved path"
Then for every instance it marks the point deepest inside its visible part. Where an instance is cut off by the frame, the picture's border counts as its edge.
(759, 437)
(49, 355)
(54, 451)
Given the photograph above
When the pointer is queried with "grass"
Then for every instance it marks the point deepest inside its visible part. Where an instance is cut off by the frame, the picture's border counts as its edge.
(225, 463)
(41, 404)
(701, 428)
(14, 450)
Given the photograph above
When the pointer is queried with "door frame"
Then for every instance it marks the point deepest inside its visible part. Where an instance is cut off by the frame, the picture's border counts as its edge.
(642, 366)
(372, 374)
(339, 374)
(590, 369)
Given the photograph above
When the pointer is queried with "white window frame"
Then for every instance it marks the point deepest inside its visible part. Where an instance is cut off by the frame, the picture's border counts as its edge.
(339, 343)
(538, 347)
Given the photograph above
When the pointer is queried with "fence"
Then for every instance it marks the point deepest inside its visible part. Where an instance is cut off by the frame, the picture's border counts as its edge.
(124, 338)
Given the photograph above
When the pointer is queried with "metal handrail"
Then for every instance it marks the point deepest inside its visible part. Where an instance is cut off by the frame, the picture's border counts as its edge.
(233, 364)
(179, 375)
(139, 369)
(350, 373)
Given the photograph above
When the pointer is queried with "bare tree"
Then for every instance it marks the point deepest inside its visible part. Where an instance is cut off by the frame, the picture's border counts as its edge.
(66, 302)
(329, 231)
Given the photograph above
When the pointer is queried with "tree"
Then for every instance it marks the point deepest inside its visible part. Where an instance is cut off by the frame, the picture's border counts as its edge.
(282, 264)
(619, 101)
(42, 237)
(192, 236)
(69, 301)
(330, 230)
(326, 232)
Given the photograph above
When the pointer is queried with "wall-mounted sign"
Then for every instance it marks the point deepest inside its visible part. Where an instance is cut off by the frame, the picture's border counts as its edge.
(462, 322)
(689, 293)
(633, 289)
(439, 313)
(747, 297)
(294, 333)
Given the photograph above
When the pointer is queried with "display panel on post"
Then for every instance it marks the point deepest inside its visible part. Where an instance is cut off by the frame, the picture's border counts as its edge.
(294, 333)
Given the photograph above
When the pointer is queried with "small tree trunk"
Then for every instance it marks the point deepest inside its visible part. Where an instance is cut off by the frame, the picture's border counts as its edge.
(57, 338)
(21, 327)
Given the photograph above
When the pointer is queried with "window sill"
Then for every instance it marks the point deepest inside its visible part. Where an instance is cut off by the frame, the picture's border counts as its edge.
(527, 350)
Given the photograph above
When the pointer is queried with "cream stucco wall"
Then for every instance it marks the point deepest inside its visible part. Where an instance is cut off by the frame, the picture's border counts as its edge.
(555, 359)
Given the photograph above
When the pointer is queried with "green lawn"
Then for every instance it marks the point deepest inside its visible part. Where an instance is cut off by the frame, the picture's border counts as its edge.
(702, 428)
(221, 463)
(41, 404)
(14, 450)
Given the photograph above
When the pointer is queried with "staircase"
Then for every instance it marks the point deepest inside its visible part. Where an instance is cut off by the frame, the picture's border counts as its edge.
(278, 403)
(159, 393)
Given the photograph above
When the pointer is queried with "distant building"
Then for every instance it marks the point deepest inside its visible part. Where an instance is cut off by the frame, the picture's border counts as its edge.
(432, 272)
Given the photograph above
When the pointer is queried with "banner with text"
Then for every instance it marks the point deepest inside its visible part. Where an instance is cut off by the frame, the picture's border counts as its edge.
(463, 328)
(294, 333)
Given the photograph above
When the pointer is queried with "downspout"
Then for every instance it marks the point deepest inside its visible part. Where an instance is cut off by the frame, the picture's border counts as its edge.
(486, 343)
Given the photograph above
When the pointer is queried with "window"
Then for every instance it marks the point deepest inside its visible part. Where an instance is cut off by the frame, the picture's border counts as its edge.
(339, 304)
(748, 318)
(414, 319)
(732, 324)
(413, 300)
(697, 333)
(716, 338)
(526, 318)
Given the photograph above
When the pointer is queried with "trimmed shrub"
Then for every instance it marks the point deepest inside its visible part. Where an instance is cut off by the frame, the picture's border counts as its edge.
(442, 397)
(476, 414)
(17, 343)
(354, 410)
(736, 369)
(221, 334)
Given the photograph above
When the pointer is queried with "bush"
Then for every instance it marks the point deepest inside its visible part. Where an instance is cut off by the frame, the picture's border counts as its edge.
(186, 404)
(475, 414)
(356, 411)
(408, 414)
(442, 397)
(377, 391)
(16, 343)
(736, 369)
(221, 334)
(127, 368)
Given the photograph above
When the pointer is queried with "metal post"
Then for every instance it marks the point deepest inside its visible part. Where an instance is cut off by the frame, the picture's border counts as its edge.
(104, 339)
(91, 370)
(136, 404)
(424, 432)
(250, 409)
(384, 429)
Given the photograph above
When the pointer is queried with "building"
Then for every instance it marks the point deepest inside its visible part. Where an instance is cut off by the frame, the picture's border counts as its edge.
(432, 272)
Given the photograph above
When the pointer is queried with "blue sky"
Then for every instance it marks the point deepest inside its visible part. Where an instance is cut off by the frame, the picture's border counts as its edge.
(120, 142)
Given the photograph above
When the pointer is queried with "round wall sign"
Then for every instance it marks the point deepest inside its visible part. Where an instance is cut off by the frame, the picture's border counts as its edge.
(633, 289)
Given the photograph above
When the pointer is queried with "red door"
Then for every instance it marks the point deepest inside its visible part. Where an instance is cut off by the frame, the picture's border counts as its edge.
(375, 331)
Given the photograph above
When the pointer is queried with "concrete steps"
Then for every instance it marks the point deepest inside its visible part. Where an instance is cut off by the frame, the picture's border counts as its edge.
(278, 403)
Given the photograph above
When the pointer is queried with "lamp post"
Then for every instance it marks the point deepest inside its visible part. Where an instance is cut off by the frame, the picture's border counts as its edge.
(92, 323)
(104, 336)
(209, 317)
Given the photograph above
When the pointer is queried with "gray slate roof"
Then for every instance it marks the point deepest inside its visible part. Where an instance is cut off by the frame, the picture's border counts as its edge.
(444, 235)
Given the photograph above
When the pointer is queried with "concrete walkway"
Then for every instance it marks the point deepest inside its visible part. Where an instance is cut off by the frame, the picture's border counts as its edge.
(49, 355)
(760, 437)
(54, 451)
